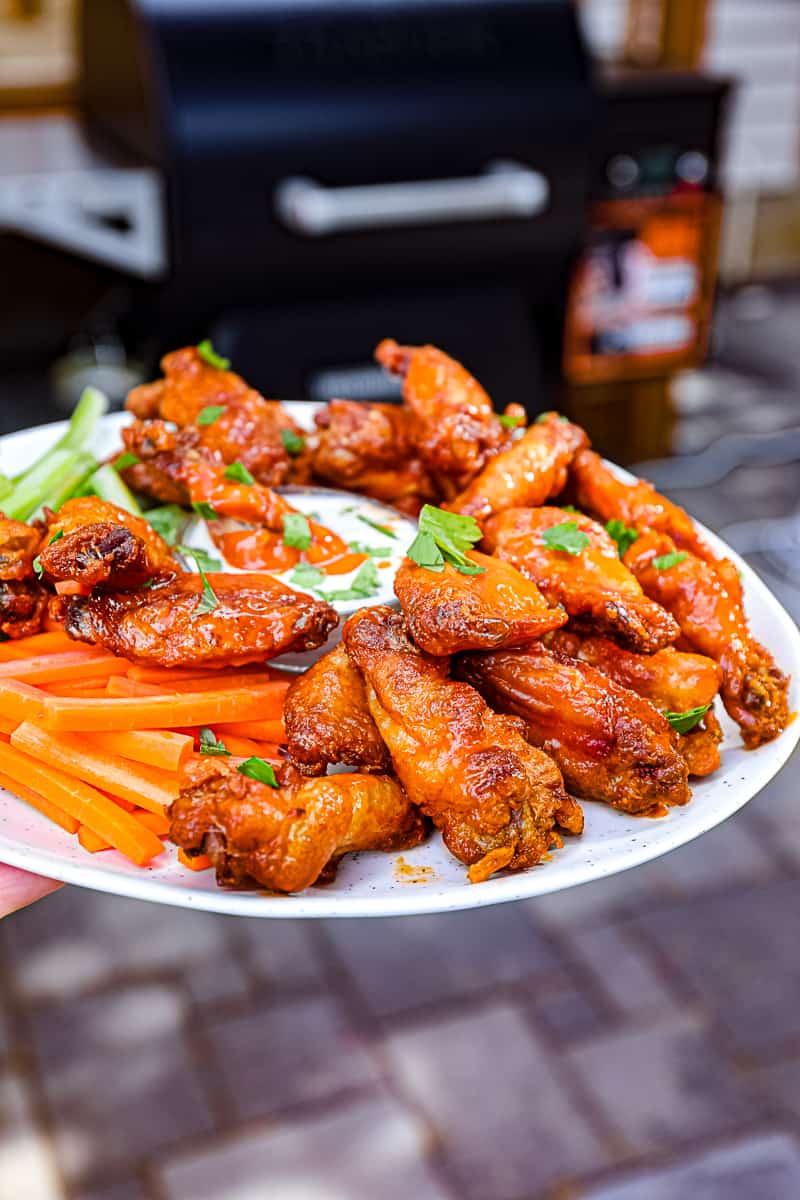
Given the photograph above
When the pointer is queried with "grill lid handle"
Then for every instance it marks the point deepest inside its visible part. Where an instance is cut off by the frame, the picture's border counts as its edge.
(504, 190)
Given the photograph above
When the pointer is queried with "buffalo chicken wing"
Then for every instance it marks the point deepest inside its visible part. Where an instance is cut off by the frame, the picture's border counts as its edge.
(23, 601)
(96, 544)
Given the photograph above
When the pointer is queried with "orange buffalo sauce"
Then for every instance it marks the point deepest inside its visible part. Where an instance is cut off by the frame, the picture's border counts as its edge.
(263, 550)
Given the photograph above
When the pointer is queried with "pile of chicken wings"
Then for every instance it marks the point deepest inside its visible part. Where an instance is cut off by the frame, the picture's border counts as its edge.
(578, 659)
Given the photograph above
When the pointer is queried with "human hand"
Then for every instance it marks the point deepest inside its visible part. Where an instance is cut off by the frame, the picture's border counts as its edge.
(18, 889)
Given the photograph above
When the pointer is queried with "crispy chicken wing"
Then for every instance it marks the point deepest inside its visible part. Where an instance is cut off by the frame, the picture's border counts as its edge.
(595, 588)
(496, 800)
(285, 838)
(328, 721)
(23, 601)
(248, 429)
(609, 743)
(454, 427)
(368, 448)
(97, 544)
(256, 618)
(713, 622)
(700, 747)
(530, 471)
(446, 611)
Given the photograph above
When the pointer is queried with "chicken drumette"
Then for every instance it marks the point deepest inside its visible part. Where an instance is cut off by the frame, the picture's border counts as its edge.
(588, 579)
(287, 838)
(23, 601)
(496, 799)
(96, 544)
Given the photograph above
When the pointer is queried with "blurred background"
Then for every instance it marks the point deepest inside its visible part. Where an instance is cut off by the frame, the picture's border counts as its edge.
(595, 207)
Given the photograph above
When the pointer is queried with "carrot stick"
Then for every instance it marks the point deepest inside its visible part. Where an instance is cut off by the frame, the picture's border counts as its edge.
(53, 668)
(7, 725)
(156, 747)
(153, 821)
(71, 714)
(41, 804)
(123, 685)
(181, 674)
(84, 803)
(144, 786)
(261, 731)
(92, 841)
(126, 804)
(39, 643)
(82, 687)
(200, 862)
(240, 745)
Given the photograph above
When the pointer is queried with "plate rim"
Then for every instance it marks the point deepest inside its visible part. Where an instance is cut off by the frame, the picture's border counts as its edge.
(426, 899)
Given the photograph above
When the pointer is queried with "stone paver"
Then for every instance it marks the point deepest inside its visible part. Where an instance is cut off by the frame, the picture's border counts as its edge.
(738, 951)
(565, 1010)
(660, 1084)
(119, 1079)
(27, 1169)
(282, 954)
(620, 969)
(401, 963)
(729, 855)
(357, 1152)
(299, 1051)
(761, 1168)
(126, 1189)
(779, 1083)
(507, 1123)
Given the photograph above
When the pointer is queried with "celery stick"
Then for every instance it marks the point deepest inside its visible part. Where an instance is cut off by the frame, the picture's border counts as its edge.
(92, 405)
(42, 480)
(106, 484)
(69, 483)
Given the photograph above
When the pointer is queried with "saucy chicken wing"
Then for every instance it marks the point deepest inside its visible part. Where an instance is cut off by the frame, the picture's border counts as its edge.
(496, 799)
(247, 429)
(173, 624)
(596, 589)
(454, 427)
(368, 448)
(23, 601)
(713, 622)
(96, 544)
(609, 743)
(446, 611)
(328, 721)
(530, 471)
(286, 838)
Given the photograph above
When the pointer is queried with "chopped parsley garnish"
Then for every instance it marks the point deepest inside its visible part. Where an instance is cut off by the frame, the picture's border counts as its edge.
(260, 769)
(205, 510)
(209, 414)
(208, 601)
(683, 722)
(669, 560)
(306, 576)
(372, 551)
(622, 534)
(293, 443)
(384, 529)
(56, 537)
(37, 567)
(444, 537)
(210, 744)
(567, 537)
(296, 530)
(365, 583)
(168, 521)
(125, 460)
(201, 557)
(209, 355)
(510, 420)
(237, 472)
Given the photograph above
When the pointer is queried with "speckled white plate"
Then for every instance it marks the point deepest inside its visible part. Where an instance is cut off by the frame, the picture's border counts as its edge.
(427, 879)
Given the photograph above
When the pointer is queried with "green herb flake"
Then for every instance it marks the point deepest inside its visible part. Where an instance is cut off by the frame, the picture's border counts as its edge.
(510, 420)
(306, 576)
(296, 530)
(684, 722)
(56, 537)
(260, 769)
(669, 560)
(445, 537)
(237, 472)
(205, 510)
(567, 537)
(293, 443)
(366, 583)
(37, 567)
(125, 460)
(201, 557)
(384, 529)
(209, 355)
(372, 551)
(209, 414)
(210, 744)
(622, 534)
(168, 520)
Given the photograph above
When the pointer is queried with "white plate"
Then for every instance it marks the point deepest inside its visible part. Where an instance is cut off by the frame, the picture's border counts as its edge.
(427, 879)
